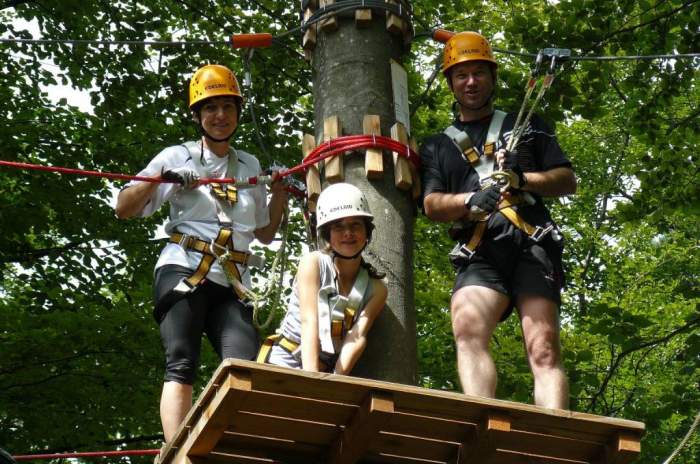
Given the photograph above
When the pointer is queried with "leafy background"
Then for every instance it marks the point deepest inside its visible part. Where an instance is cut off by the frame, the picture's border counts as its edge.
(80, 357)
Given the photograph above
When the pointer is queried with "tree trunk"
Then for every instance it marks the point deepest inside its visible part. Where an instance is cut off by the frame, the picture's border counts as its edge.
(352, 78)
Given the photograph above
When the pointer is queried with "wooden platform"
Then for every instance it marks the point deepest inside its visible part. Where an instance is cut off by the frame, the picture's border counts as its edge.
(254, 413)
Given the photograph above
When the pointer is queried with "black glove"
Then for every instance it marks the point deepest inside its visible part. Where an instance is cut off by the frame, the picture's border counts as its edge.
(186, 177)
(484, 201)
(515, 172)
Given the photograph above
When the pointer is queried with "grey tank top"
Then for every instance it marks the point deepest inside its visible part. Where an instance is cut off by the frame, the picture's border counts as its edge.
(291, 324)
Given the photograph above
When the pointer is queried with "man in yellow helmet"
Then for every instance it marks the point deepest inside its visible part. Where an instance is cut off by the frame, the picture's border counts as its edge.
(202, 274)
(508, 251)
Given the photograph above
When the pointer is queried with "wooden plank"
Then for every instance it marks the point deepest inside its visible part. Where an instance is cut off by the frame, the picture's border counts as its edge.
(482, 448)
(268, 448)
(313, 177)
(282, 428)
(374, 158)
(415, 174)
(367, 423)
(301, 408)
(333, 167)
(363, 17)
(308, 41)
(217, 415)
(511, 457)
(394, 23)
(525, 442)
(414, 447)
(170, 449)
(331, 23)
(434, 428)
(402, 168)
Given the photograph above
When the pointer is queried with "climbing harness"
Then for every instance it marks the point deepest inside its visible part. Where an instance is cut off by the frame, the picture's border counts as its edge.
(464, 250)
(337, 314)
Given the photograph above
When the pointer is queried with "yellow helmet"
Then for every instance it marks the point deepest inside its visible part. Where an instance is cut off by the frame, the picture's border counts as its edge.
(213, 80)
(466, 46)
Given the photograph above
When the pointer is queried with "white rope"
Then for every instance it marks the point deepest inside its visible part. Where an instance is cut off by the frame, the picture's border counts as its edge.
(271, 294)
(684, 442)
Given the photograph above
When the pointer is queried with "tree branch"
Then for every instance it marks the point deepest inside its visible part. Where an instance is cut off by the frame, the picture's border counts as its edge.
(651, 21)
(683, 121)
(618, 360)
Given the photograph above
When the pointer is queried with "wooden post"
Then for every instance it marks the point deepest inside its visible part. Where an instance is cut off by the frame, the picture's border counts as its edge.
(402, 168)
(313, 178)
(308, 42)
(363, 17)
(374, 160)
(352, 78)
(333, 166)
(394, 23)
(330, 24)
(415, 175)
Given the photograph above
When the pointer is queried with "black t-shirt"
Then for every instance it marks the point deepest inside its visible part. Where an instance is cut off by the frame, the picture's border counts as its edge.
(445, 170)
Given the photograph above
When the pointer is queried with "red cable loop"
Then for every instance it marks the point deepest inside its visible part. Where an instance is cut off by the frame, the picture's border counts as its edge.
(328, 149)
(89, 454)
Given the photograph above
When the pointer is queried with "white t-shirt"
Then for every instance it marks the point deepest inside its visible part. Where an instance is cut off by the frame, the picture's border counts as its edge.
(194, 212)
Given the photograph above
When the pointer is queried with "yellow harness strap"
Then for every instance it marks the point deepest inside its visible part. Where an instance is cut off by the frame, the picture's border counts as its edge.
(223, 240)
(288, 345)
(475, 238)
(279, 339)
(225, 192)
(505, 207)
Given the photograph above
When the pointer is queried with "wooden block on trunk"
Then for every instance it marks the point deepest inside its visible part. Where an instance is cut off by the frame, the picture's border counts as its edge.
(394, 23)
(308, 42)
(363, 17)
(329, 24)
(402, 168)
(374, 160)
(415, 175)
(313, 178)
(333, 167)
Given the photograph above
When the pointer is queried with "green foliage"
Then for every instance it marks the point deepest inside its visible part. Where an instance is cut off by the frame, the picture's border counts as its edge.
(78, 345)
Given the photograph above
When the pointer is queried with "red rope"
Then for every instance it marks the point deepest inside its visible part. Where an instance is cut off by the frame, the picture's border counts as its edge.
(333, 147)
(90, 454)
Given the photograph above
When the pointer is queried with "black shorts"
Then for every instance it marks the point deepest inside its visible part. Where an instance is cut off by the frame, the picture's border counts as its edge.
(529, 269)
(209, 309)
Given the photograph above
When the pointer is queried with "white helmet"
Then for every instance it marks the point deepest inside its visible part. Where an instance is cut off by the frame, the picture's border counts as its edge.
(339, 201)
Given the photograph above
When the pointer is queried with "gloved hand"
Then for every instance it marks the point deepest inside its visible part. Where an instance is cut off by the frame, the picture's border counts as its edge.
(510, 165)
(484, 201)
(186, 177)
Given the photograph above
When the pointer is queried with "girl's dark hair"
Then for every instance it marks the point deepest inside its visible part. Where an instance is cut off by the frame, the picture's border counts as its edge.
(372, 271)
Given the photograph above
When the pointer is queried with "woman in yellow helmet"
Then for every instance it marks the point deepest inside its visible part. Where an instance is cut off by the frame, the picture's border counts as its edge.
(202, 273)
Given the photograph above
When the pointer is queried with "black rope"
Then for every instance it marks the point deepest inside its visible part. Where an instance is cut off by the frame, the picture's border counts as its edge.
(314, 19)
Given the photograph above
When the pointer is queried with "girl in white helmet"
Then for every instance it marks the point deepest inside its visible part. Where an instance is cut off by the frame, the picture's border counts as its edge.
(337, 295)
